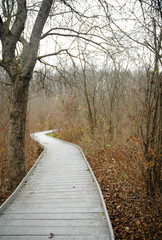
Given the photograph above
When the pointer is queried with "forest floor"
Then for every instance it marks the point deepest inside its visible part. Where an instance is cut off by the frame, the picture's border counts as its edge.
(116, 166)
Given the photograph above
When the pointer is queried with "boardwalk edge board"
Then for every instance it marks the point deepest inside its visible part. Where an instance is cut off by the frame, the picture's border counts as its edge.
(7, 202)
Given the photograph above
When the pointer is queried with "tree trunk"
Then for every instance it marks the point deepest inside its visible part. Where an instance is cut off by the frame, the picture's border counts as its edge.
(16, 147)
(151, 134)
(90, 115)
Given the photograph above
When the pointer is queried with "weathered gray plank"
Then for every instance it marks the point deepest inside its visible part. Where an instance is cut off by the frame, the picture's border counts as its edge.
(72, 198)
(53, 205)
(61, 174)
(61, 194)
(64, 192)
(56, 230)
(55, 216)
(38, 200)
(27, 209)
(63, 181)
(52, 223)
(55, 237)
(59, 187)
(63, 178)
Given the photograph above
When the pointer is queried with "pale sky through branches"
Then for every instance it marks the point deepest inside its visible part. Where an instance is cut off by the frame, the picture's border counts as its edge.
(101, 29)
(126, 16)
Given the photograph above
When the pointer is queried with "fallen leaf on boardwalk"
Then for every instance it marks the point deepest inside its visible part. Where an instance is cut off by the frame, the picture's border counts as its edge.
(51, 235)
(73, 186)
(103, 215)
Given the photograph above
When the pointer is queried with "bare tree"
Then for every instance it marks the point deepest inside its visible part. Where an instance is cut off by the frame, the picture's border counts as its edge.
(12, 24)
(151, 117)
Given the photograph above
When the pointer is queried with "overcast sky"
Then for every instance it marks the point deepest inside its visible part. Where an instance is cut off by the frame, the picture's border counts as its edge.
(95, 25)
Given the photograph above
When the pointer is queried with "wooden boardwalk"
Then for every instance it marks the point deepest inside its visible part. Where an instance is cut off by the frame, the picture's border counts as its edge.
(59, 198)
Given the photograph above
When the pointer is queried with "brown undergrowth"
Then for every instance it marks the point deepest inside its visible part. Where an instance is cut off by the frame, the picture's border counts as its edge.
(33, 150)
(119, 168)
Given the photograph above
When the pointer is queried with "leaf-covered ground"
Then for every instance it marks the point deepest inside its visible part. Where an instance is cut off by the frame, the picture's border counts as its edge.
(117, 167)
(132, 215)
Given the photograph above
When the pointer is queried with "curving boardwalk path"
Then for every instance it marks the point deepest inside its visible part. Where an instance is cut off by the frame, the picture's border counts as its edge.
(58, 199)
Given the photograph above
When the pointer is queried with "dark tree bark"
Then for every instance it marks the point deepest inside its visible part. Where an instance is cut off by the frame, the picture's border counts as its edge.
(16, 149)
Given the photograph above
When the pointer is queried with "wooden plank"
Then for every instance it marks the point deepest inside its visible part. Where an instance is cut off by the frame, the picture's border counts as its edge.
(58, 182)
(65, 237)
(60, 173)
(51, 205)
(72, 198)
(61, 193)
(70, 169)
(63, 177)
(52, 175)
(62, 165)
(68, 179)
(53, 182)
(13, 209)
(60, 186)
(72, 190)
(56, 230)
(55, 216)
(52, 223)
(72, 195)
(89, 201)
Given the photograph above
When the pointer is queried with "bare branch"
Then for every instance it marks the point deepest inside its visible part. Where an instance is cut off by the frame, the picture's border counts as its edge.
(19, 23)
(73, 10)
(29, 54)
(51, 54)
(48, 33)
(1, 28)
(78, 35)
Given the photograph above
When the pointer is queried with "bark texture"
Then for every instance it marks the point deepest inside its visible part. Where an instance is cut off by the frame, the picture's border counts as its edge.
(16, 149)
